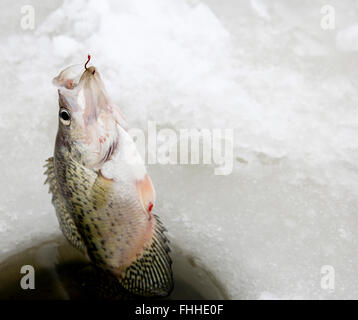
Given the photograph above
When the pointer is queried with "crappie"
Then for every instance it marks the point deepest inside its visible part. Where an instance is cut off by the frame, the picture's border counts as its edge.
(102, 193)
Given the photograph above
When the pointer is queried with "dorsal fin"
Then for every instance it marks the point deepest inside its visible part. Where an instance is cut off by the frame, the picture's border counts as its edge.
(65, 219)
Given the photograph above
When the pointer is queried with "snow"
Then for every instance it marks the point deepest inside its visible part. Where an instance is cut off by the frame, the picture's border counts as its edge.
(347, 39)
(265, 69)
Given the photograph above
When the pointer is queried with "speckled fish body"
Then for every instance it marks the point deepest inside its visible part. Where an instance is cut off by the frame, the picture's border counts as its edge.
(102, 193)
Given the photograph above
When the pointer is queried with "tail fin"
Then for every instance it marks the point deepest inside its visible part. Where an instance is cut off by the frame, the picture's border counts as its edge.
(151, 274)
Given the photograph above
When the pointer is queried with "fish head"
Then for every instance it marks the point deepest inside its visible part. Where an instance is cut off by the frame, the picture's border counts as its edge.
(87, 119)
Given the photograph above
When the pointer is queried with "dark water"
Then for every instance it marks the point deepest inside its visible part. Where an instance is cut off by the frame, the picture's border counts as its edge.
(61, 272)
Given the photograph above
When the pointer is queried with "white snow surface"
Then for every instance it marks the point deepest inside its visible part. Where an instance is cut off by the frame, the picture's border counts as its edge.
(263, 68)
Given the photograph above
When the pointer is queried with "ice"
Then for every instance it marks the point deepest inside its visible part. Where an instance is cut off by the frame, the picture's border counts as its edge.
(347, 39)
(264, 68)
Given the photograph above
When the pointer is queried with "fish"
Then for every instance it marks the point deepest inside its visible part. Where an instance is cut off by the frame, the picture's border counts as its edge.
(103, 195)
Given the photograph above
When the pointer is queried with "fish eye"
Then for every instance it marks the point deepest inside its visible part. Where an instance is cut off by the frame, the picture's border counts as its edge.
(65, 116)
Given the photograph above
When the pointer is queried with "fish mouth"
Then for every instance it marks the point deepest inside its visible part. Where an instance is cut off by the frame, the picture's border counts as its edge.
(88, 74)
(91, 70)
(91, 81)
(71, 77)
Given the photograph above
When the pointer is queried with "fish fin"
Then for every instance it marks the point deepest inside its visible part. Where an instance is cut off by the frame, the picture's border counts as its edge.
(65, 219)
(121, 120)
(146, 194)
(151, 274)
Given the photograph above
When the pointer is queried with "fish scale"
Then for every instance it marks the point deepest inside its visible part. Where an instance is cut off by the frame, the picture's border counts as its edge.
(148, 268)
